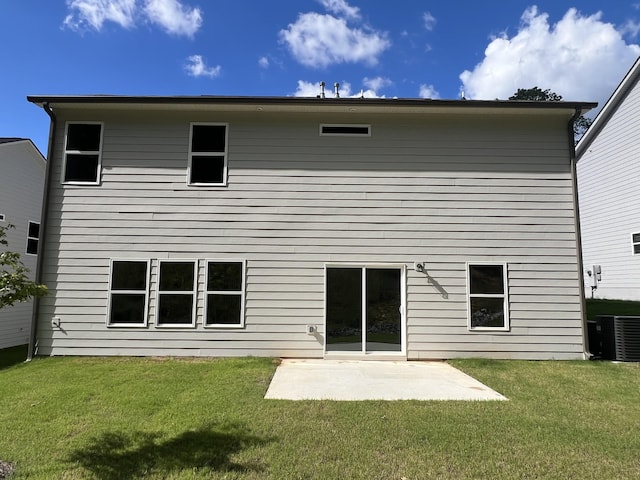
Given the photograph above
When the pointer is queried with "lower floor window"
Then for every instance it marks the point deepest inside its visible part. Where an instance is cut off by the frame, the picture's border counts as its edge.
(176, 293)
(128, 296)
(488, 305)
(224, 293)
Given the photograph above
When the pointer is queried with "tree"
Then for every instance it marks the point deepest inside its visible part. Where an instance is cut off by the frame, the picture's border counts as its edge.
(535, 94)
(15, 285)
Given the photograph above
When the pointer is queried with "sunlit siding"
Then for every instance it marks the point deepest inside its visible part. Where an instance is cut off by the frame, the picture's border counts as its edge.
(444, 189)
(608, 184)
(21, 182)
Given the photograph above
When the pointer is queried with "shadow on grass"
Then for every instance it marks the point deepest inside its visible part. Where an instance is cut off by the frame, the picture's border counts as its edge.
(132, 455)
(12, 356)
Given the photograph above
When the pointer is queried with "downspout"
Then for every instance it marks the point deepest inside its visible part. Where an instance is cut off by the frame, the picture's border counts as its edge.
(43, 227)
(576, 209)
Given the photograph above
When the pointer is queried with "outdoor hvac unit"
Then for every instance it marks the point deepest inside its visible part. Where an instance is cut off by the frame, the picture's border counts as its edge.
(616, 338)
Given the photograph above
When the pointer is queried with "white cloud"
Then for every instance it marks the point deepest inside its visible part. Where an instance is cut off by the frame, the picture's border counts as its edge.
(341, 8)
(170, 15)
(580, 58)
(630, 28)
(429, 21)
(196, 67)
(174, 17)
(86, 14)
(376, 83)
(317, 40)
(263, 62)
(428, 91)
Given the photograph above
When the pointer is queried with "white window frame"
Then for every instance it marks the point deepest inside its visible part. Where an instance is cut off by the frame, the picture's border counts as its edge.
(344, 125)
(145, 322)
(225, 155)
(634, 243)
(208, 292)
(505, 296)
(37, 239)
(193, 292)
(2, 217)
(82, 152)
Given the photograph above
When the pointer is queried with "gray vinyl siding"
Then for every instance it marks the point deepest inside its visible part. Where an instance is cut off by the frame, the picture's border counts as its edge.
(21, 183)
(440, 189)
(608, 189)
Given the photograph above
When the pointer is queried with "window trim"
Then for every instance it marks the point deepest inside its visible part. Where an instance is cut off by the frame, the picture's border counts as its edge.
(634, 243)
(2, 217)
(145, 322)
(505, 296)
(208, 292)
(323, 126)
(225, 155)
(194, 293)
(82, 152)
(37, 239)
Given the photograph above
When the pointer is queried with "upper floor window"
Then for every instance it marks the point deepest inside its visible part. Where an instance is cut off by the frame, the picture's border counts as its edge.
(82, 153)
(488, 305)
(1, 217)
(207, 154)
(33, 238)
(635, 243)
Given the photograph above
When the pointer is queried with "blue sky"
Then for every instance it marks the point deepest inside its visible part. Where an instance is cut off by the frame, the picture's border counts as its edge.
(407, 48)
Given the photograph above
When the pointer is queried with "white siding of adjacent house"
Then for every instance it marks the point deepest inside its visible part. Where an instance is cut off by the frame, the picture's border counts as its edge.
(609, 186)
(441, 189)
(21, 183)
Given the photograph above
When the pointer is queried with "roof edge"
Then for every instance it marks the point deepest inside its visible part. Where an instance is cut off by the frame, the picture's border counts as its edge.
(251, 100)
(609, 108)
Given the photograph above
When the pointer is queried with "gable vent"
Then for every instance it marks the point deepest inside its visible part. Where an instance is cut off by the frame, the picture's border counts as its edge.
(346, 130)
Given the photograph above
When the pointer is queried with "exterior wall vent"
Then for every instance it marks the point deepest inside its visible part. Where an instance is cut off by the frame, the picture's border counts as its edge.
(346, 130)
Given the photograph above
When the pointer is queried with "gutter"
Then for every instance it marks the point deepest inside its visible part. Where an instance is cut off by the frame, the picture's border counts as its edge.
(43, 227)
(576, 208)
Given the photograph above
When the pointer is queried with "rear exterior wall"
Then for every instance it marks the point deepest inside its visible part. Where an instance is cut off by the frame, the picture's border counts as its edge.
(444, 189)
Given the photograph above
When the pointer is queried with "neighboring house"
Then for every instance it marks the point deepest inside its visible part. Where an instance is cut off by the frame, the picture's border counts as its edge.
(609, 191)
(22, 169)
(304, 227)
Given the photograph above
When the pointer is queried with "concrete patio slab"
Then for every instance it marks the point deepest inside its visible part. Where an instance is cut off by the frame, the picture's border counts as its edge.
(374, 380)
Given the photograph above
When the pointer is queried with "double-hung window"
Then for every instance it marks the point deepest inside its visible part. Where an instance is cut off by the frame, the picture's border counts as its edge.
(635, 243)
(208, 154)
(82, 153)
(488, 303)
(33, 238)
(128, 293)
(225, 294)
(176, 293)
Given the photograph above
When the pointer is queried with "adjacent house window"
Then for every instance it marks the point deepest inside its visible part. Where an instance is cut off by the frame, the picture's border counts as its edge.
(208, 154)
(345, 130)
(176, 293)
(128, 293)
(487, 296)
(33, 237)
(82, 153)
(1, 217)
(224, 294)
(635, 243)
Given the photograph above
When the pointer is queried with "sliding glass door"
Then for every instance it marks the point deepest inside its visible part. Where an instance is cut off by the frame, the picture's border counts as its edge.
(364, 309)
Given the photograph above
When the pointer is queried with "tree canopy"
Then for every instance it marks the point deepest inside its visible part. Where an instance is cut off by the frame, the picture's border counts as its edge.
(536, 94)
(15, 285)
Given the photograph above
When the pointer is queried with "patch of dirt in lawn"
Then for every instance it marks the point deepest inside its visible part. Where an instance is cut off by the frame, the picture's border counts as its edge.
(6, 469)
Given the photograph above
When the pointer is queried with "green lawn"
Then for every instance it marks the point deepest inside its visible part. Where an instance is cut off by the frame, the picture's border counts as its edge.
(596, 306)
(127, 418)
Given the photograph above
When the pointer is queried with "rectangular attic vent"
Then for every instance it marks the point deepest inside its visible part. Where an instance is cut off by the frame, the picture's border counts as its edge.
(346, 130)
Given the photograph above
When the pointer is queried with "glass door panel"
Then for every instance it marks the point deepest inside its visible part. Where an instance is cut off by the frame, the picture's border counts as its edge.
(344, 309)
(383, 317)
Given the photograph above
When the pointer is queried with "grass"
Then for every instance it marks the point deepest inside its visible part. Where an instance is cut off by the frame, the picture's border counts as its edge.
(128, 418)
(596, 306)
